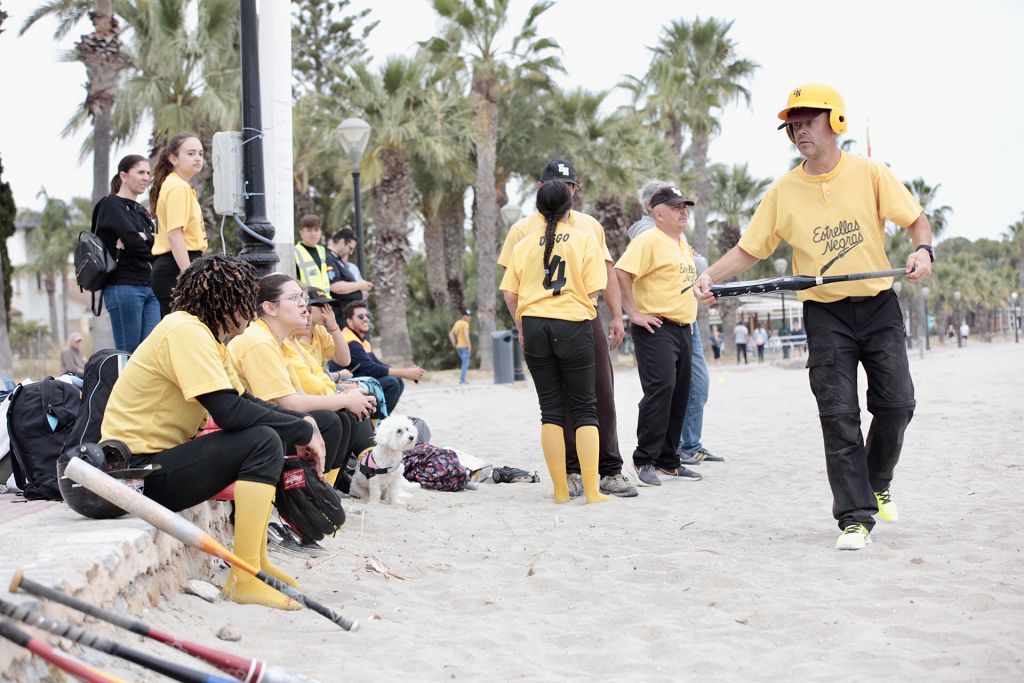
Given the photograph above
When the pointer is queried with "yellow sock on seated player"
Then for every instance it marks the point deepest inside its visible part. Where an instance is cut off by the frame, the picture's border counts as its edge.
(265, 564)
(252, 510)
(332, 476)
(587, 447)
(551, 441)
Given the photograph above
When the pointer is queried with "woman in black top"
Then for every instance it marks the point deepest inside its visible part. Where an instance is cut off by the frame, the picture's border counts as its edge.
(126, 230)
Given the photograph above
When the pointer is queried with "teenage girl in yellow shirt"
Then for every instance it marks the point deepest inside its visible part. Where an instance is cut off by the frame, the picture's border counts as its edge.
(548, 287)
(177, 376)
(180, 236)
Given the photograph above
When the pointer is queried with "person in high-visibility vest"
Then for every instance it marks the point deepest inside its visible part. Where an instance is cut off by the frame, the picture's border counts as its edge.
(310, 257)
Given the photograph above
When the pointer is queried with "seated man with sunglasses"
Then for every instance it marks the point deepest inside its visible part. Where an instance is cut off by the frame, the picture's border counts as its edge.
(366, 364)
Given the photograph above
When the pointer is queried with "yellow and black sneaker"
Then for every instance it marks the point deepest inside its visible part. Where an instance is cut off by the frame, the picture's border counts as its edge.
(854, 537)
(887, 510)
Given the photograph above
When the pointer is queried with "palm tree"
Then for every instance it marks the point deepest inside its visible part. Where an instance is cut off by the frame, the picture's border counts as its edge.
(49, 247)
(1015, 235)
(736, 195)
(925, 195)
(470, 43)
(409, 127)
(104, 60)
(8, 211)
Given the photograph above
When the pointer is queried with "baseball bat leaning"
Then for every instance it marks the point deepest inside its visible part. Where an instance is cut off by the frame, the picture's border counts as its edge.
(174, 671)
(794, 283)
(129, 500)
(240, 668)
(62, 662)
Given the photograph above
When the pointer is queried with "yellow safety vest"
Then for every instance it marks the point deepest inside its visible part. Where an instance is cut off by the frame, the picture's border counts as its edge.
(310, 274)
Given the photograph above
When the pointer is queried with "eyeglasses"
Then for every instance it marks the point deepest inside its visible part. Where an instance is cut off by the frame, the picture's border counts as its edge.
(362, 316)
(299, 298)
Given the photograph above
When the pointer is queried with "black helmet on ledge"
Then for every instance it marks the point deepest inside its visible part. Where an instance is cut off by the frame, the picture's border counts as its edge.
(111, 457)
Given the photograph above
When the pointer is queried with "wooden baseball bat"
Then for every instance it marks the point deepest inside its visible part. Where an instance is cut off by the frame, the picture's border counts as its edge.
(83, 637)
(794, 283)
(135, 503)
(62, 662)
(240, 668)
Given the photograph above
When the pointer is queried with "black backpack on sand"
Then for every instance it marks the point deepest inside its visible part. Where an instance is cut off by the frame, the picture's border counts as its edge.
(40, 417)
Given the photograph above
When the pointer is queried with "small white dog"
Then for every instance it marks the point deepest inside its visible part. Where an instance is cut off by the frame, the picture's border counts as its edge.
(379, 472)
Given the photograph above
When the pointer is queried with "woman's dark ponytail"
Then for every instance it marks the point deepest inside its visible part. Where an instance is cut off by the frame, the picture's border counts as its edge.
(554, 200)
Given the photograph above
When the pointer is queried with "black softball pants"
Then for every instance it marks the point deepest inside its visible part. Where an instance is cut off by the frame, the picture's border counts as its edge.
(165, 276)
(663, 362)
(202, 467)
(868, 331)
(560, 355)
(610, 459)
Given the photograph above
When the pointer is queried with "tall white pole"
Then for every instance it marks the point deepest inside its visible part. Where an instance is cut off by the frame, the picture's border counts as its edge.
(276, 100)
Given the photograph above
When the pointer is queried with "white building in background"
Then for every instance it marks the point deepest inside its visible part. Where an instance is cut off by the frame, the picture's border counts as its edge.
(28, 295)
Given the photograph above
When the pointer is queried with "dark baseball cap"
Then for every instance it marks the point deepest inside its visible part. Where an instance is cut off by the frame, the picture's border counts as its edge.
(669, 195)
(800, 115)
(467, 312)
(318, 296)
(559, 169)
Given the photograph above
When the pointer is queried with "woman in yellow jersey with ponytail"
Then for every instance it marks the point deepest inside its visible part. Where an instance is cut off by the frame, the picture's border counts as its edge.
(548, 286)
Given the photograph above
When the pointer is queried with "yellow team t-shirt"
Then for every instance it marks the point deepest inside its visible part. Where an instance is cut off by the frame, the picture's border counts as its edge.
(263, 364)
(535, 221)
(308, 370)
(461, 331)
(152, 407)
(663, 275)
(835, 223)
(577, 268)
(178, 207)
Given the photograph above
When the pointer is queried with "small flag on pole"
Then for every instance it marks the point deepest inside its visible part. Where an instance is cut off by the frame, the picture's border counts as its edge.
(869, 138)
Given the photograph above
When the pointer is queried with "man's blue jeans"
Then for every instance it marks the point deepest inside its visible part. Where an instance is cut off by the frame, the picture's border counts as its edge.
(693, 423)
(134, 312)
(464, 359)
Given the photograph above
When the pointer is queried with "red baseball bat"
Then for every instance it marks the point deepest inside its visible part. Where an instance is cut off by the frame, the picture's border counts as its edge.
(241, 668)
(129, 500)
(62, 662)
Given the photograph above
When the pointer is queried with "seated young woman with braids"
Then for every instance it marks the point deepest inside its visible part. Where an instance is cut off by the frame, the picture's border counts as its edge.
(266, 363)
(177, 375)
(548, 287)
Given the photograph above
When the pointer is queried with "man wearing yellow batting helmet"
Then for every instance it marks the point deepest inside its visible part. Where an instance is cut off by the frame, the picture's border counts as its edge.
(832, 210)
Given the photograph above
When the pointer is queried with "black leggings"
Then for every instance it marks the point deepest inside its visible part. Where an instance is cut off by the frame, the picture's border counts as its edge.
(165, 276)
(560, 355)
(199, 469)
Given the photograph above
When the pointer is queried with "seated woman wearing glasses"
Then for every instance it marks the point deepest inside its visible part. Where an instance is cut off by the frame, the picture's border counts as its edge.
(264, 362)
(366, 364)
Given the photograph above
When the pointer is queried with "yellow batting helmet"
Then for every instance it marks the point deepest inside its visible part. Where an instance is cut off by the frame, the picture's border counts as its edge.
(816, 96)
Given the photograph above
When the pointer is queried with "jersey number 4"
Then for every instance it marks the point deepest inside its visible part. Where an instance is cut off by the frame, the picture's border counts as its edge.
(555, 277)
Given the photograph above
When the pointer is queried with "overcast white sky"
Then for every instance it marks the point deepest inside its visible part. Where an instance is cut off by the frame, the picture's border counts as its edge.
(939, 82)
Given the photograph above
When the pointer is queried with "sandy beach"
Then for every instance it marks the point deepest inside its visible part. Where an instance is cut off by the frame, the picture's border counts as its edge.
(733, 577)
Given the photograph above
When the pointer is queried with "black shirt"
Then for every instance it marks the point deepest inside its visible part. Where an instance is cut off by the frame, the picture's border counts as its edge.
(116, 218)
(338, 272)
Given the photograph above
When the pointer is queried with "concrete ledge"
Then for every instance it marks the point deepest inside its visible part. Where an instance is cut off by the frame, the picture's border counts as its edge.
(121, 564)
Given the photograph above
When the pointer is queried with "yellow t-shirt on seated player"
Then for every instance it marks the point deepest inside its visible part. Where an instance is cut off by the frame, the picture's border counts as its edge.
(152, 407)
(535, 221)
(461, 331)
(309, 371)
(577, 268)
(835, 223)
(263, 364)
(663, 275)
(322, 346)
(178, 207)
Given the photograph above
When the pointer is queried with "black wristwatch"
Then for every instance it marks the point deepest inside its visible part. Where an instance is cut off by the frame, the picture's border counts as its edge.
(928, 248)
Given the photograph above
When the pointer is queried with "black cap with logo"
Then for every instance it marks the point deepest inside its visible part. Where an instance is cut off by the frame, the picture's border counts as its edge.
(669, 195)
(318, 296)
(559, 169)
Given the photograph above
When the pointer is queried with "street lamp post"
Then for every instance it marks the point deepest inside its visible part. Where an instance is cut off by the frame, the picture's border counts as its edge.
(927, 345)
(355, 134)
(956, 322)
(258, 247)
(1016, 319)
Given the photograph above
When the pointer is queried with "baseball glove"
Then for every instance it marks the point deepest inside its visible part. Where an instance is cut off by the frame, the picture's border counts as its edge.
(308, 505)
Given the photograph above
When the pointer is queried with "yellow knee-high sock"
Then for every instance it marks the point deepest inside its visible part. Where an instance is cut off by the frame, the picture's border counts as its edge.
(587, 446)
(269, 568)
(553, 444)
(252, 510)
(332, 476)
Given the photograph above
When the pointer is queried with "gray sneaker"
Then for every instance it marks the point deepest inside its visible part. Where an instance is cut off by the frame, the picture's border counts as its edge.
(618, 485)
(680, 473)
(575, 482)
(648, 476)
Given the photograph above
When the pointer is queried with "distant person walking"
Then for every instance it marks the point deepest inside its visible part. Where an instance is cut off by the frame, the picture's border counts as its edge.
(716, 343)
(760, 339)
(126, 230)
(71, 357)
(742, 334)
(459, 337)
(965, 330)
(180, 232)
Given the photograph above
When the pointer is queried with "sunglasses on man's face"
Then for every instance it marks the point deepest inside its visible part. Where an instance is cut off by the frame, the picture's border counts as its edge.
(362, 316)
